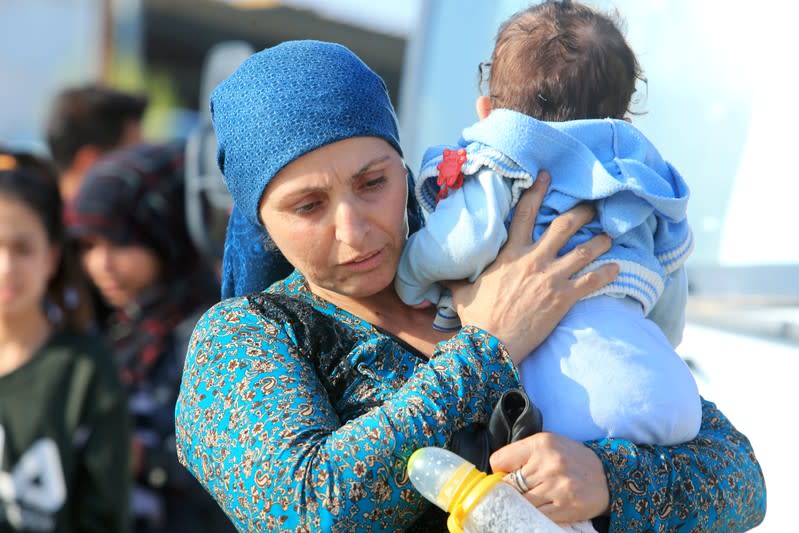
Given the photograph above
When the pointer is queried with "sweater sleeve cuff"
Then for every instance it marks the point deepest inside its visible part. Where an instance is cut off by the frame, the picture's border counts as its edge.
(620, 461)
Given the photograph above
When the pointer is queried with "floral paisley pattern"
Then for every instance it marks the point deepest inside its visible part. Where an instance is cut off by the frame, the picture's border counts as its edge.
(298, 416)
(701, 485)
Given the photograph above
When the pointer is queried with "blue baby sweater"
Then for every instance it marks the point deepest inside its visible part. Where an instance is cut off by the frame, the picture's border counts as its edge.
(640, 198)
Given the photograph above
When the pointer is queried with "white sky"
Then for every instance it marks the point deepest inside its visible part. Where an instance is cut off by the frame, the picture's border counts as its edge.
(388, 16)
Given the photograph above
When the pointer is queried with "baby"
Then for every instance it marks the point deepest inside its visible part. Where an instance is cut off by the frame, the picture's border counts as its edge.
(561, 80)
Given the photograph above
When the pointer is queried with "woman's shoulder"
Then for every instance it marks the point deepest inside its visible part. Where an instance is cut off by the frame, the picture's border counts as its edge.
(286, 311)
(239, 317)
(228, 312)
(266, 305)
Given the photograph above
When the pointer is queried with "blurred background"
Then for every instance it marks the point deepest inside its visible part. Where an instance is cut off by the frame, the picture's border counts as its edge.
(160, 47)
(716, 104)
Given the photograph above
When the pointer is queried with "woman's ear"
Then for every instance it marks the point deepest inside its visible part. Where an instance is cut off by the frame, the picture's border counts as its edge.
(483, 106)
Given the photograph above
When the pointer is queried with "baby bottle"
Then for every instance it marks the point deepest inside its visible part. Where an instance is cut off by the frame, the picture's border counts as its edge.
(476, 502)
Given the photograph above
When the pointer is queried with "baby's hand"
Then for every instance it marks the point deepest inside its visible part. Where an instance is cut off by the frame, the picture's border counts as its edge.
(424, 305)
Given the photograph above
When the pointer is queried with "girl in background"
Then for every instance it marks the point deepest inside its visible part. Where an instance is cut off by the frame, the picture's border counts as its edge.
(129, 218)
(64, 451)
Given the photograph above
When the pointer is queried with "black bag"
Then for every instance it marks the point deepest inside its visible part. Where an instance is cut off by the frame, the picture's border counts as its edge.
(514, 417)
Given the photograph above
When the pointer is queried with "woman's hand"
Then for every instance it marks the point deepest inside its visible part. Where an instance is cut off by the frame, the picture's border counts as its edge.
(566, 479)
(527, 290)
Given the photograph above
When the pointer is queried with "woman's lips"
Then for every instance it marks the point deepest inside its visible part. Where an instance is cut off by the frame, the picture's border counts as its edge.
(365, 262)
(8, 294)
(110, 289)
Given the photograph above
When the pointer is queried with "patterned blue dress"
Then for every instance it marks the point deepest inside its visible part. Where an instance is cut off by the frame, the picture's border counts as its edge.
(298, 416)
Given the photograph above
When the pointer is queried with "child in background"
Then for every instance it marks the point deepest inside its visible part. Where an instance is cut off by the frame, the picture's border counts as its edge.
(64, 455)
(130, 221)
(561, 81)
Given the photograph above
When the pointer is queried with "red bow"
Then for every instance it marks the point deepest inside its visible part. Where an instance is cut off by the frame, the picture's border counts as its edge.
(449, 172)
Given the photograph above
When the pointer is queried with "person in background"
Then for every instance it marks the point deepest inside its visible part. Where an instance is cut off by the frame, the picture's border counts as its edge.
(64, 426)
(84, 123)
(129, 219)
(561, 81)
(301, 404)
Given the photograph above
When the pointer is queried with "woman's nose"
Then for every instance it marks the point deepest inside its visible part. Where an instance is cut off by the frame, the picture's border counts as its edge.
(6, 262)
(98, 258)
(351, 224)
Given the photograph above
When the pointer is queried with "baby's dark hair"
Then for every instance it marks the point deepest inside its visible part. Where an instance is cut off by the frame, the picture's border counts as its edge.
(31, 180)
(562, 60)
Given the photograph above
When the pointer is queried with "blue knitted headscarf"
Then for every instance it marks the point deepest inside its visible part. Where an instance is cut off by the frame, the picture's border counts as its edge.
(280, 104)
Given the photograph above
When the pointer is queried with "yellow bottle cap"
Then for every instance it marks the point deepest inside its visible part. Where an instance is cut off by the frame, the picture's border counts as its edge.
(464, 490)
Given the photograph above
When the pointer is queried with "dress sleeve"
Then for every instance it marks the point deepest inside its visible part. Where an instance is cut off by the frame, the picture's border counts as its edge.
(256, 426)
(712, 483)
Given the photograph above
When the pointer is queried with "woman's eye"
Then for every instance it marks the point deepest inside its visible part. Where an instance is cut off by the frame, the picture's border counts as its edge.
(84, 246)
(23, 248)
(374, 183)
(306, 208)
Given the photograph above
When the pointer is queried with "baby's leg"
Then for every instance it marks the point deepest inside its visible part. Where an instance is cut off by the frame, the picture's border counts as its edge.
(607, 371)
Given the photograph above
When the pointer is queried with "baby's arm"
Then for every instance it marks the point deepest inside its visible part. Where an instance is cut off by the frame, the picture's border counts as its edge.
(669, 311)
(460, 238)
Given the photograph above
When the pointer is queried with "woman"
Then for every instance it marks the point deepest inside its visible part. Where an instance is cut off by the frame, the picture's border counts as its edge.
(130, 221)
(300, 405)
(63, 418)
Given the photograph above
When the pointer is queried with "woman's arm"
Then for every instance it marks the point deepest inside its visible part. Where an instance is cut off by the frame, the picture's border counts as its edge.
(712, 483)
(256, 426)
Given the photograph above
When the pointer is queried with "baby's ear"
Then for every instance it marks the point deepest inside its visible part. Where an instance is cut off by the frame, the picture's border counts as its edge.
(483, 107)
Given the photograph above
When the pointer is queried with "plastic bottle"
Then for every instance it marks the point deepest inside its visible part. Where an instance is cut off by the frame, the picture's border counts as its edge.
(476, 502)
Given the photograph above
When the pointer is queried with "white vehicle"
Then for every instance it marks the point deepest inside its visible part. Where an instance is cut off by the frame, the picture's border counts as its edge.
(716, 107)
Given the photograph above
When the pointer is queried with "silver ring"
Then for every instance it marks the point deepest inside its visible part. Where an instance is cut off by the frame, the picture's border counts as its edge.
(518, 480)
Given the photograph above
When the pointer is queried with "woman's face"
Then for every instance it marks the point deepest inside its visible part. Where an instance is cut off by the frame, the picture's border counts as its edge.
(338, 215)
(120, 273)
(27, 258)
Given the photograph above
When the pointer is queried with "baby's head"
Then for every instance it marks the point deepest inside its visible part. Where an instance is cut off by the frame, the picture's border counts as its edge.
(561, 60)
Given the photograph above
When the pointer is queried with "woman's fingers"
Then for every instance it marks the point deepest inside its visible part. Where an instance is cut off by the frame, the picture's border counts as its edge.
(566, 479)
(527, 290)
(541, 502)
(596, 279)
(563, 228)
(559, 231)
(555, 512)
(581, 256)
(521, 226)
(513, 456)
